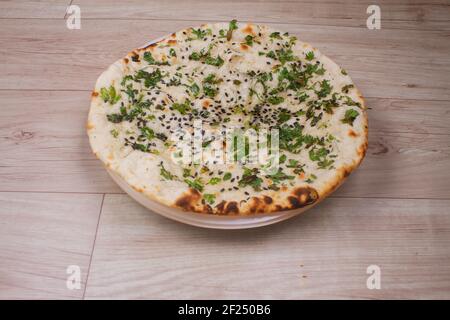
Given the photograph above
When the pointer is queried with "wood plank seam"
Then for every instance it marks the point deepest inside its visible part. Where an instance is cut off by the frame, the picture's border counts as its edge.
(221, 20)
(65, 14)
(93, 247)
(124, 193)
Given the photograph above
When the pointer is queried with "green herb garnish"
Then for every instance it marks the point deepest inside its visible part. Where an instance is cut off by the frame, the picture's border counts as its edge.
(325, 89)
(166, 174)
(214, 181)
(275, 100)
(110, 95)
(151, 61)
(350, 116)
(275, 35)
(309, 55)
(182, 108)
(250, 178)
(227, 176)
(249, 40)
(195, 184)
(232, 26)
(209, 198)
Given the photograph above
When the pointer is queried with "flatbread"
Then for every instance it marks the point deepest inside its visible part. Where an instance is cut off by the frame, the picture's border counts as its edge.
(228, 75)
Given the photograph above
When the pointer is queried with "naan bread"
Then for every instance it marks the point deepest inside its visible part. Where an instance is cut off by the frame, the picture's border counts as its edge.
(229, 75)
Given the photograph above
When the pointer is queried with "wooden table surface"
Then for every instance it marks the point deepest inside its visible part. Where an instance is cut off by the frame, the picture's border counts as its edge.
(58, 207)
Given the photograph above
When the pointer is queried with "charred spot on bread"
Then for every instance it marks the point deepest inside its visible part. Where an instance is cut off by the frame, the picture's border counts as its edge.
(352, 133)
(135, 57)
(189, 200)
(231, 208)
(267, 199)
(303, 196)
(220, 207)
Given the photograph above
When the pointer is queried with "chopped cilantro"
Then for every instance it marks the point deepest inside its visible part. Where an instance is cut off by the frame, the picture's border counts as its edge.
(325, 89)
(210, 85)
(214, 181)
(148, 133)
(195, 184)
(275, 35)
(284, 116)
(150, 79)
(280, 176)
(166, 174)
(151, 61)
(275, 100)
(350, 102)
(182, 108)
(285, 55)
(271, 54)
(199, 33)
(209, 198)
(110, 95)
(249, 40)
(350, 116)
(232, 26)
(195, 89)
(250, 178)
(195, 56)
(114, 117)
(320, 155)
(309, 55)
(292, 138)
(217, 62)
(186, 172)
(227, 176)
(114, 133)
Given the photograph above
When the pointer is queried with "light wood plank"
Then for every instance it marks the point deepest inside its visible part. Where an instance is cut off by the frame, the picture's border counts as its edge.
(412, 116)
(402, 165)
(45, 146)
(44, 140)
(322, 254)
(384, 63)
(33, 9)
(40, 236)
(394, 14)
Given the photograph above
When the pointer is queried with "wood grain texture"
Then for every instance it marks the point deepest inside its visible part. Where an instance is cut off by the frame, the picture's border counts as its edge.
(383, 63)
(40, 236)
(394, 211)
(395, 14)
(44, 144)
(33, 9)
(322, 254)
(43, 139)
